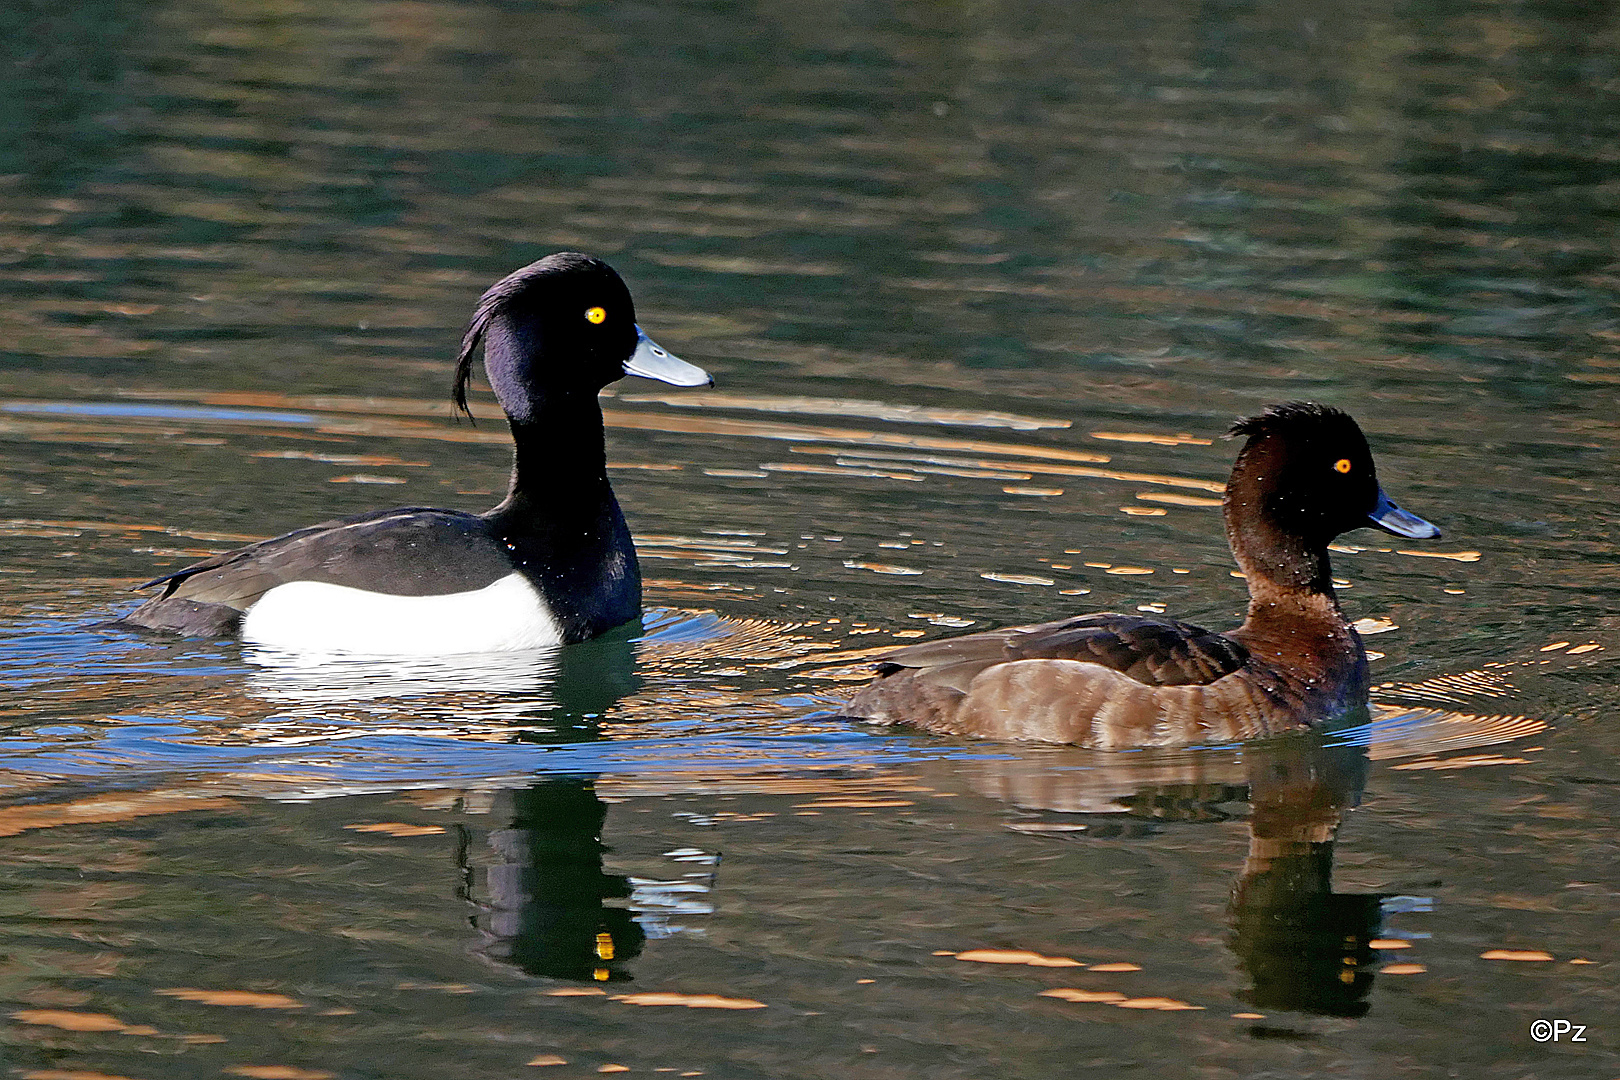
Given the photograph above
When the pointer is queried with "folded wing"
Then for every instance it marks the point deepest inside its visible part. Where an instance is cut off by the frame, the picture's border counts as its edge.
(405, 552)
(1154, 652)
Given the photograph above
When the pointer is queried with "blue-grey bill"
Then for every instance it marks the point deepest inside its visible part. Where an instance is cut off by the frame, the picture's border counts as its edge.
(1392, 519)
(652, 361)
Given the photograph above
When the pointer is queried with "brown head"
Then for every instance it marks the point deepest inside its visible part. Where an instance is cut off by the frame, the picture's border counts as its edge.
(1305, 475)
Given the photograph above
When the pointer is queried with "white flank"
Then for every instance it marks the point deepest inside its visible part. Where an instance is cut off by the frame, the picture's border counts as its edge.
(313, 616)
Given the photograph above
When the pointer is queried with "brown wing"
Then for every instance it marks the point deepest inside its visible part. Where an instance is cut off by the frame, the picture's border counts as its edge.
(1106, 681)
(1154, 652)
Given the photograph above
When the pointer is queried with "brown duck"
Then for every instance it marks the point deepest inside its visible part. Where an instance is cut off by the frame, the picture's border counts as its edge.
(1303, 477)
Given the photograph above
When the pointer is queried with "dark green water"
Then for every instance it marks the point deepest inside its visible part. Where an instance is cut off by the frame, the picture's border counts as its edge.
(940, 258)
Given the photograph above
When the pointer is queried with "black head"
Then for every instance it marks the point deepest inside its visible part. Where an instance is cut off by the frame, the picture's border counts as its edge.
(1307, 471)
(563, 325)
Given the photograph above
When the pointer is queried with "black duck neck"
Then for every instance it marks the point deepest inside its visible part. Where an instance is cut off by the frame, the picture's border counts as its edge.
(559, 458)
(561, 521)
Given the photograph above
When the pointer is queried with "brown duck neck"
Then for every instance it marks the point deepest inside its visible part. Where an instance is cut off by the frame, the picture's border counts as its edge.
(1284, 572)
(1290, 579)
(1284, 615)
(1295, 626)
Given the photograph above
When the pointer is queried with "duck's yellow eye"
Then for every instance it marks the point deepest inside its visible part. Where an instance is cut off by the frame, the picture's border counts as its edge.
(596, 315)
(1342, 465)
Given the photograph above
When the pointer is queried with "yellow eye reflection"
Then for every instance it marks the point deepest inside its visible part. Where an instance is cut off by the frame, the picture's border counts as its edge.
(1342, 465)
(596, 315)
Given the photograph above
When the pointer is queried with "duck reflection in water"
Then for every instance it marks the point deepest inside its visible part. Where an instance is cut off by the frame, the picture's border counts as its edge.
(1302, 946)
(543, 905)
(542, 901)
(1305, 947)
(541, 894)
